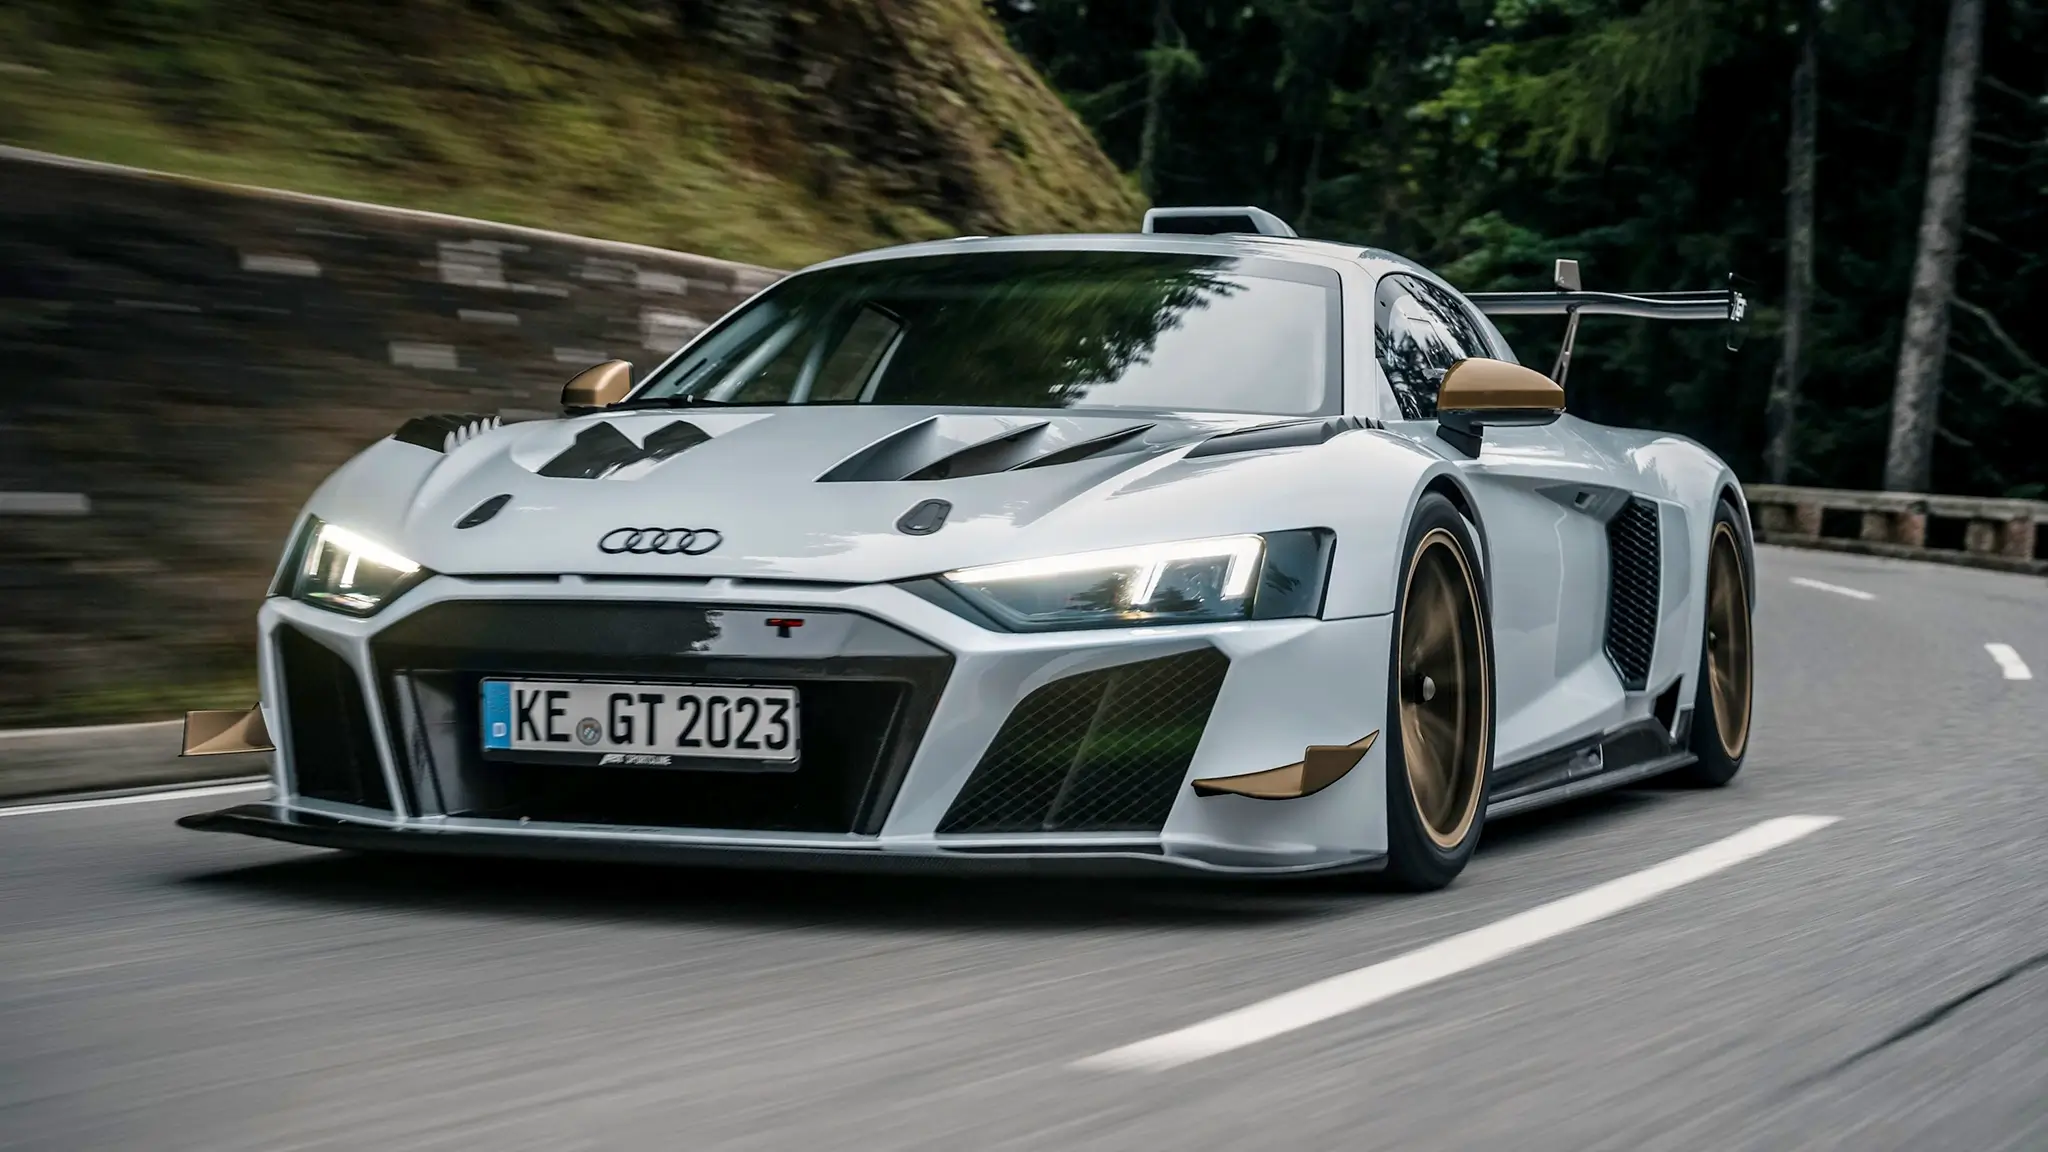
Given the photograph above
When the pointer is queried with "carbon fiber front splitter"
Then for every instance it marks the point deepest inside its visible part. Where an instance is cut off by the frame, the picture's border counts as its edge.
(277, 822)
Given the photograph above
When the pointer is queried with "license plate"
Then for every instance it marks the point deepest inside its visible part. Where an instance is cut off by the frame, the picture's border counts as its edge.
(651, 725)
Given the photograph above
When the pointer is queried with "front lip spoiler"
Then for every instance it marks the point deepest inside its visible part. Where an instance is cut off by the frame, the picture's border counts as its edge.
(278, 822)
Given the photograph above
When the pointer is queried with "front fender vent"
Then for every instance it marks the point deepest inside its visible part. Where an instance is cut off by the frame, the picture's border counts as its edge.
(1634, 577)
(1105, 751)
(445, 431)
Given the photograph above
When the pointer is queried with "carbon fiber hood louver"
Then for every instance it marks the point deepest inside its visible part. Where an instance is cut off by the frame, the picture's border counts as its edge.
(602, 449)
(921, 452)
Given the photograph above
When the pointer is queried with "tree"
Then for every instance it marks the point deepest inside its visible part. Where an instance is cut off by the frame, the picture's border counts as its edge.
(1916, 394)
(1781, 418)
(1167, 61)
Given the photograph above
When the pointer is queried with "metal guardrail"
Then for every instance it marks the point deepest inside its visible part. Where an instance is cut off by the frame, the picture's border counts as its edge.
(1975, 531)
(45, 504)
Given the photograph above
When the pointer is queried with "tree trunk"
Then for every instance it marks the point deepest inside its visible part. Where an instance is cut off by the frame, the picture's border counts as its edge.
(1782, 416)
(1309, 181)
(1154, 132)
(1917, 393)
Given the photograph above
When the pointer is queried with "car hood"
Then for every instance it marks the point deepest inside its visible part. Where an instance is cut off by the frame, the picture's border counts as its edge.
(813, 493)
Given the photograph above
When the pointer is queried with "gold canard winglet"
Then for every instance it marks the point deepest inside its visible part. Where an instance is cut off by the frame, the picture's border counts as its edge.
(221, 732)
(1321, 765)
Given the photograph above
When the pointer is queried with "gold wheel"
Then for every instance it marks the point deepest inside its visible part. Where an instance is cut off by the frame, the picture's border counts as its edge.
(1443, 689)
(1728, 642)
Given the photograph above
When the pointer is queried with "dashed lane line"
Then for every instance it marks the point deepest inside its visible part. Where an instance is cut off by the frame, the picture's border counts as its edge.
(1837, 589)
(1363, 987)
(2009, 662)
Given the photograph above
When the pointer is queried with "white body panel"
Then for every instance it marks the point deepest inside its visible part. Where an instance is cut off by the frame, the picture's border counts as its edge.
(793, 542)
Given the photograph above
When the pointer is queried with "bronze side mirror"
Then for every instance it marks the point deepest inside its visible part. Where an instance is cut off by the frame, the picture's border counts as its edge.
(598, 386)
(1477, 392)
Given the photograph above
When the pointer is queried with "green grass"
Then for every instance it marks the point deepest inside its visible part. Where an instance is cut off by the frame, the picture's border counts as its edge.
(599, 117)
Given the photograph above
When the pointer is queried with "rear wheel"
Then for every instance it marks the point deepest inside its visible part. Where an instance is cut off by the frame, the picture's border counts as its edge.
(1725, 692)
(1440, 703)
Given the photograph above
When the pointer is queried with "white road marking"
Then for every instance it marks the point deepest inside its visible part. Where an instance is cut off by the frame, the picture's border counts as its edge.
(138, 798)
(1837, 589)
(1366, 986)
(2009, 662)
(86, 729)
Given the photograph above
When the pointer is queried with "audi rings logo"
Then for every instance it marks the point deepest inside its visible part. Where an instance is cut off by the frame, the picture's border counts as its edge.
(660, 541)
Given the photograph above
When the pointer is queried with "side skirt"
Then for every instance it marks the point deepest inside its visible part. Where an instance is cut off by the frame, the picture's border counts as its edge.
(1625, 755)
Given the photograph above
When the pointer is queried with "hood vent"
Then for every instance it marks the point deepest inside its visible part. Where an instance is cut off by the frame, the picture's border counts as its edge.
(920, 452)
(602, 449)
(444, 431)
(1297, 434)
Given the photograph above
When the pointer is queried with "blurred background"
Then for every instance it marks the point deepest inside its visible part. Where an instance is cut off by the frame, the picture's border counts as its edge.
(195, 328)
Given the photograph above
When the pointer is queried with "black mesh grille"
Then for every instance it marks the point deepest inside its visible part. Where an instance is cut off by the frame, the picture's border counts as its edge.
(333, 756)
(862, 717)
(1101, 752)
(1632, 592)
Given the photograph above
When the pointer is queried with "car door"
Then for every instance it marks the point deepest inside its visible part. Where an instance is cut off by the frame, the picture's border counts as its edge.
(1542, 495)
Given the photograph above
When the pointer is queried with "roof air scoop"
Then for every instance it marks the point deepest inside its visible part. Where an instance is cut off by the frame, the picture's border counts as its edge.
(1244, 220)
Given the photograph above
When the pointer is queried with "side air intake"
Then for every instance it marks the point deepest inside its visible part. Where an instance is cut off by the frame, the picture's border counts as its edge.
(1632, 591)
(920, 452)
(1105, 751)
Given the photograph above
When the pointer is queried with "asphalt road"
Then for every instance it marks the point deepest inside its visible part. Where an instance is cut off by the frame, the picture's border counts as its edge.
(1881, 983)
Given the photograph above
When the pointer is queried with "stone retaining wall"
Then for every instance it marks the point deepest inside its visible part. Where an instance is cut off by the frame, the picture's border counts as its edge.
(182, 362)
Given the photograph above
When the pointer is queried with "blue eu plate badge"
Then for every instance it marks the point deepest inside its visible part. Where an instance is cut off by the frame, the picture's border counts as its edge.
(497, 714)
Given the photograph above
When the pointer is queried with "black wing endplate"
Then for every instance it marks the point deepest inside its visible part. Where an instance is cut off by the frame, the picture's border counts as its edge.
(1571, 301)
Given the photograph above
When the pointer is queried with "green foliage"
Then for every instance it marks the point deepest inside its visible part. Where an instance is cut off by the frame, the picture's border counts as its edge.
(1568, 93)
(775, 131)
(1645, 138)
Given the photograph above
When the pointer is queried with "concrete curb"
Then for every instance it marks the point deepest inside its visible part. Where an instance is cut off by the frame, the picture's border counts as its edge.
(99, 757)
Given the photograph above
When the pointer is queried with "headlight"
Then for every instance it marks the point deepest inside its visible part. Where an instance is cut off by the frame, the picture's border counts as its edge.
(336, 568)
(1184, 582)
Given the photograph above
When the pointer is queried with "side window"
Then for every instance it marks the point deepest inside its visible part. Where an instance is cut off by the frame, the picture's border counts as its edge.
(1419, 331)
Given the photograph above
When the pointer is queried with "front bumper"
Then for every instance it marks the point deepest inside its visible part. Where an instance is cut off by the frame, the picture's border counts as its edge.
(924, 704)
(274, 821)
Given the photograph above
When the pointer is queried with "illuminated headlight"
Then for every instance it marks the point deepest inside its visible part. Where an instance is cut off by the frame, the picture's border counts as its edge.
(1185, 582)
(339, 569)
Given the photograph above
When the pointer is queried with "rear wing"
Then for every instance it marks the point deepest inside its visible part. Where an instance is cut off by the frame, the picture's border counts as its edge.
(1571, 301)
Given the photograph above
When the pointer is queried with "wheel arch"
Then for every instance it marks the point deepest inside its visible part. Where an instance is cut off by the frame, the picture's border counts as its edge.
(1730, 493)
(1449, 485)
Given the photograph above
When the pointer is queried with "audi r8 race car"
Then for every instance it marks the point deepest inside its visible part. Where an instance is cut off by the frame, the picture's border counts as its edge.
(1208, 547)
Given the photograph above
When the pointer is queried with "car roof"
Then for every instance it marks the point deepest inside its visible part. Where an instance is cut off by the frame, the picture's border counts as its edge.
(1235, 244)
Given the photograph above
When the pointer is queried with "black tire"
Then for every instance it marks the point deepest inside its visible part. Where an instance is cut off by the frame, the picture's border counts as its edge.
(1721, 728)
(1418, 856)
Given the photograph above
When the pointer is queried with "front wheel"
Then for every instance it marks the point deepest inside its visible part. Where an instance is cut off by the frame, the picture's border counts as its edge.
(1439, 703)
(1724, 692)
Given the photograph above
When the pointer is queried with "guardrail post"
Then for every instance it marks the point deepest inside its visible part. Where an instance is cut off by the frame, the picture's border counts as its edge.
(1806, 518)
(2019, 537)
(1910, 527)
(1981, 537)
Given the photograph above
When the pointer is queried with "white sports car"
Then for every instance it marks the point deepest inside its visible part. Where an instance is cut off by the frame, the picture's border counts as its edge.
(1210, 548)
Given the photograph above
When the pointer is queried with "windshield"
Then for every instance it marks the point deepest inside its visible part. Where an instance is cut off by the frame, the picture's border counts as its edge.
(1058, 329)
